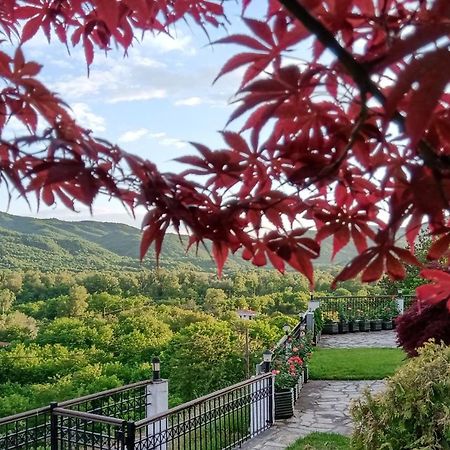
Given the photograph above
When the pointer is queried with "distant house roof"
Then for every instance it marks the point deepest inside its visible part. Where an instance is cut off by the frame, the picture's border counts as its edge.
(4, 344)
(246, 312)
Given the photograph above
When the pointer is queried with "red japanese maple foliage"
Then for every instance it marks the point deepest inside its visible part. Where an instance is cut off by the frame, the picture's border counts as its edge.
(345, 114)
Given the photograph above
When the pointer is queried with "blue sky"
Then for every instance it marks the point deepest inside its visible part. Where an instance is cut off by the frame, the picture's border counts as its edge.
(150, 103)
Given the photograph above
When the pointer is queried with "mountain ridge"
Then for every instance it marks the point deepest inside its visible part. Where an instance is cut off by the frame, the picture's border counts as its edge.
(54, 244)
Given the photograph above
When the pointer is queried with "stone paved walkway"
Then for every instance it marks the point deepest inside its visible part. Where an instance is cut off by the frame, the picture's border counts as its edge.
(323, 406)
(362, 339)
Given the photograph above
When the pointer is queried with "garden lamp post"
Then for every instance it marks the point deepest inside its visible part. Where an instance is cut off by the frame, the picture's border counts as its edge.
(156, 368)
(267, 359)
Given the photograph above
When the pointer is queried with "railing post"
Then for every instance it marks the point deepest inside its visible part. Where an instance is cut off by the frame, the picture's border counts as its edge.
(158, 390)
(53, 427)
(310, 322)
(271, 381)
(400, 302)
(130, 436)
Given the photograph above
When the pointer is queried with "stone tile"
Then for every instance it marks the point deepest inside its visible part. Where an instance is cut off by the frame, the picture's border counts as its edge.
(323, 406)
(386, 338)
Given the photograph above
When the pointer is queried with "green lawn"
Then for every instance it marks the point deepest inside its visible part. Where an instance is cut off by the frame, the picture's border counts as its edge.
(355, 363)
(321, 441)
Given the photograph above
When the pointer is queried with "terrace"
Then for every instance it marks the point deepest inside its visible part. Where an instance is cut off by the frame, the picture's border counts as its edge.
(245, 414)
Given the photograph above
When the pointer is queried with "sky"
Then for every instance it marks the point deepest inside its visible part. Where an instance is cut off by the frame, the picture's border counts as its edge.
(151, 103)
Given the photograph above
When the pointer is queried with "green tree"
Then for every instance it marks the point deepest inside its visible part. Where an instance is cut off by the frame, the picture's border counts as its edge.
(17, 326)
(203, 357)
(75, 332)
(140, 335)
(7, 299)
(216, 302)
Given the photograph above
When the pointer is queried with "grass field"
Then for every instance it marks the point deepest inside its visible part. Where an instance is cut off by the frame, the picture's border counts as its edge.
(355, 363)
(321, 441)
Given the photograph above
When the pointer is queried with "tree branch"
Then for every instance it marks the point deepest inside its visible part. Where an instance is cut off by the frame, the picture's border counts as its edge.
(361, 76)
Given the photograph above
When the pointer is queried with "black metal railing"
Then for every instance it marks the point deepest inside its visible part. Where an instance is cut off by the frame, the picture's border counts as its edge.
(119, 419)
(126, 403)
(28, 431)
(356, 306)
(37, 429)
(81, 430)
(296, 333)
(221, 420)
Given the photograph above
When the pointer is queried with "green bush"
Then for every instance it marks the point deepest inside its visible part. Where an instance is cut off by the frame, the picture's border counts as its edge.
(414, 410)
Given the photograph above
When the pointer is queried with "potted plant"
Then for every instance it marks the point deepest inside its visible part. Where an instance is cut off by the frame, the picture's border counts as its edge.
(318, 325)
(364, 323)
(353, 321)
(343, 320)
(331, 319)
(375, 321)
(287, 373)
(386, 317)
(303, 349)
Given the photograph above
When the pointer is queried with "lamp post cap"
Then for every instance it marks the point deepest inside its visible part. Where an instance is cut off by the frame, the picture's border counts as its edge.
(267, 355)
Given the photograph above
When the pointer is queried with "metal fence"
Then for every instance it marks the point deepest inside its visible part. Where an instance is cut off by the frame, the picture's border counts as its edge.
(29, 430)
(119, 419)
(38, 429)
(357, 306)
(221, 420)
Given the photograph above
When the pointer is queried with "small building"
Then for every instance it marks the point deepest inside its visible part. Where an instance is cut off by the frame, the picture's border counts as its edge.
(246, 314)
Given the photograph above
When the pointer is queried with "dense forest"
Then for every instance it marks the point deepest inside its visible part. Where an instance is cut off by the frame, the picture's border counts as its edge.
(54, 245)
(65, 334)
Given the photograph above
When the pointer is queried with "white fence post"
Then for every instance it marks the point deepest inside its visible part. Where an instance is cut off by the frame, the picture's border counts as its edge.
(400, 302)
(158, 391)
(262, 411)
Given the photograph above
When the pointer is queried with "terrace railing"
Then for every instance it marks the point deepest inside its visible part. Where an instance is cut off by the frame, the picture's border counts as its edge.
(55, 426)
(356, 305)
(121, 419)
(221, 420)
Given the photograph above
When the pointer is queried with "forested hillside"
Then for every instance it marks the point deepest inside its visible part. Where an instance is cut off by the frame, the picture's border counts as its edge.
(51, 244)
(68, 334)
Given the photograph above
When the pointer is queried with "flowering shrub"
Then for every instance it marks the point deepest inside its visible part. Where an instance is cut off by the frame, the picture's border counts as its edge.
(289, 361)
(330, 316)
(287, 372)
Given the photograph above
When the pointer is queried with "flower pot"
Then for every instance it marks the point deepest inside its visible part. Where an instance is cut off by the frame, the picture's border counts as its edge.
(387, 325)
(305, 373)
(353, 326)
(375, 325)
(330, 328)
(284, 403)
(364, 325)
(343, 326)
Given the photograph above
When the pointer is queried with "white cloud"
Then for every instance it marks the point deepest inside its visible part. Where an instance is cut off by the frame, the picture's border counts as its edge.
(137, 95)
(190, 101)
(157, 135)
(163, 43)
(133, 135)
(85, 117)
(171, 142)
(167, 141)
